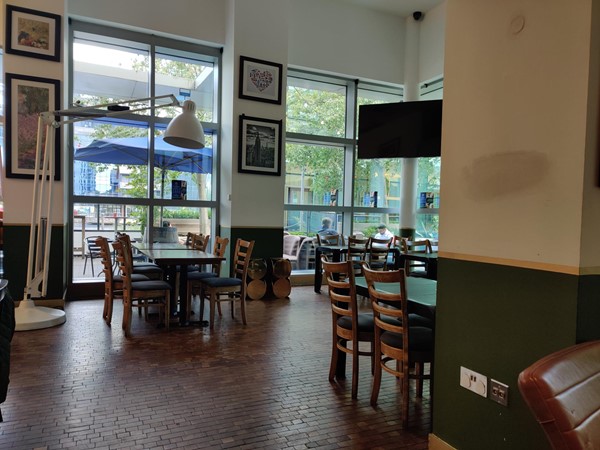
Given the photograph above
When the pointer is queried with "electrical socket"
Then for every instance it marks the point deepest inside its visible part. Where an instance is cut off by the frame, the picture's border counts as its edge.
(473, 381)
(499, 392)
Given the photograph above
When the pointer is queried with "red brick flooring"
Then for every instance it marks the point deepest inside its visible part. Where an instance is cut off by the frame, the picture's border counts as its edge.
(264, 386)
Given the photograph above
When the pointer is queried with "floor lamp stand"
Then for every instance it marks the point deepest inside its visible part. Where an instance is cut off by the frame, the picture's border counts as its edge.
(29, 316)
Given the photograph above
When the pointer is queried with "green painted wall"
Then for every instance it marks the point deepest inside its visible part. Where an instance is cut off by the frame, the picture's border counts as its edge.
(269, 241)
(497, 320)
(588, 308)
(16, 248)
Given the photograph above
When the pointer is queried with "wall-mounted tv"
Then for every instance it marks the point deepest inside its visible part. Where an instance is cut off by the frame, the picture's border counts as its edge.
(400, 130)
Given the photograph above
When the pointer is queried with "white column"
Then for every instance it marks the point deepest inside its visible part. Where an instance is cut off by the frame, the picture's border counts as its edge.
(408, 175)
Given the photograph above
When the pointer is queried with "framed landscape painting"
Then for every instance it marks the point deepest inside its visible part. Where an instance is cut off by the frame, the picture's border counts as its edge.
(26, 98)
(33, 33)
(260, 146)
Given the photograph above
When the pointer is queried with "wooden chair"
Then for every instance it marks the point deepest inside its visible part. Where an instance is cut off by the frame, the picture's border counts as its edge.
(140, 294)
(149, 269)
(414, 268)
(200, 241)
(379, 250)
(230, 289)
(347, 324)
(357, 252)
(330, 239)
(562, 391)
(194, 279)
(113, 284)
(397, 347)
(400, 243)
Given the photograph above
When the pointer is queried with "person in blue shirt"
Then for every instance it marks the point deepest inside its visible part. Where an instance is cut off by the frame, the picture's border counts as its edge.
(326, 227)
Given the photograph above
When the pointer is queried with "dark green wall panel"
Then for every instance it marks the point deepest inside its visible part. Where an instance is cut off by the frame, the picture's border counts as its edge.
(495, 320)
(269, 241)
(588, 311)
(16, 248)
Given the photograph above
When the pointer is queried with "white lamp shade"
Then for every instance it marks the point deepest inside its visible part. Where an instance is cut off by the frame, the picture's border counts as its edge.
(185, 130)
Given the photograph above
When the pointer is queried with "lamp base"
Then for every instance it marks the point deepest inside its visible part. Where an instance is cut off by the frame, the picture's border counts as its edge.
(28, 316)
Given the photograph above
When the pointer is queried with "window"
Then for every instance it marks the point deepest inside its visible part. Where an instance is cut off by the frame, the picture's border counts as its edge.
(125, 178)
(323, 176)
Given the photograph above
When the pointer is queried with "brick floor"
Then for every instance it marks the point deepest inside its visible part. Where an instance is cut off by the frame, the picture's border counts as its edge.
(83, 385)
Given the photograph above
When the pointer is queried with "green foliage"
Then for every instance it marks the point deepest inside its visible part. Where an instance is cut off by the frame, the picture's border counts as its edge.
(180, 213)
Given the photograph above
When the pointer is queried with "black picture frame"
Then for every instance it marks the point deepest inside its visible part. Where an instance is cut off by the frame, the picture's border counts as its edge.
(260, 80)
(36, 34)
(260, 146)
(26, 98)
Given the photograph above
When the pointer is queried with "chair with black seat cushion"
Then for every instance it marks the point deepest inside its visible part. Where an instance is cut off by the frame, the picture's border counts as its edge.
(377, 255)
(562, 391)
(151, 270)
(194, 279)
(397, 347)
(92, 252)
(415, 268)
(231, 289)
(349, 327)
(140, 294)
(357, 252)
(113, 284)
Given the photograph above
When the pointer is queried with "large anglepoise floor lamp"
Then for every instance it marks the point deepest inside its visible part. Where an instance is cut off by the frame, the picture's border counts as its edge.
(184, 131)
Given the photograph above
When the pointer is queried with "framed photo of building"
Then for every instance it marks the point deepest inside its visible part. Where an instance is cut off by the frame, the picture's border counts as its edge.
(260, 80)
(260, 146)
(26, 98)
(32, 33)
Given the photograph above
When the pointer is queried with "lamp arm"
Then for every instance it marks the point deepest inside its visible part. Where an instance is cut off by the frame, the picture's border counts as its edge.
(81, 113)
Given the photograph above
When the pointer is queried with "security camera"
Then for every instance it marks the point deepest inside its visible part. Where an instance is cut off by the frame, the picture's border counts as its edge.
(417, 15)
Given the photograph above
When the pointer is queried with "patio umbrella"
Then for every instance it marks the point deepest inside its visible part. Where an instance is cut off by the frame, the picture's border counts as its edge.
(134, 151)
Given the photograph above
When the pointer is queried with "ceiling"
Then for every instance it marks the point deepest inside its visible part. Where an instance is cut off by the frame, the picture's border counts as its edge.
(402, 8)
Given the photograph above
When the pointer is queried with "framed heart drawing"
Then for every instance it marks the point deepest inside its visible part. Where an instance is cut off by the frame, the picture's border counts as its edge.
(260, 80)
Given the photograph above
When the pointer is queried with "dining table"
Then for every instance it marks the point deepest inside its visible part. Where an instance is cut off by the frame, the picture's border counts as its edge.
(171, 258)
(141, 246)
(429, 259)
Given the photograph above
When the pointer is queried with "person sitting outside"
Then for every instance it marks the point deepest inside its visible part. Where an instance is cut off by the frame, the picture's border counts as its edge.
(326, 227)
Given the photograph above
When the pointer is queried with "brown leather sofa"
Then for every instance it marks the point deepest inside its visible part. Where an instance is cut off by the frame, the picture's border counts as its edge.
(563, 392)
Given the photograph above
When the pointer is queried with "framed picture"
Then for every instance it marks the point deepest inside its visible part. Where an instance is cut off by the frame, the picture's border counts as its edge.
(26, 98)
(32, 33)
(260, 80)
(260, 146)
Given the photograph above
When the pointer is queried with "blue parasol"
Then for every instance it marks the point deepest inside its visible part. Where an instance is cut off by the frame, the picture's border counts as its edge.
(134, 151)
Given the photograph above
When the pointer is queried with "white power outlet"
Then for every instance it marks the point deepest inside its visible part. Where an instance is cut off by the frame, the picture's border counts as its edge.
(473, 381)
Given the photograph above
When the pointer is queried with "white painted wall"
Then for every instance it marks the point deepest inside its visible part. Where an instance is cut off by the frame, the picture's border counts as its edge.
(259, 31)
(199, 20)
(590, 242)
(18, 193)
(514, 132)
(346, 39)
(431, 43)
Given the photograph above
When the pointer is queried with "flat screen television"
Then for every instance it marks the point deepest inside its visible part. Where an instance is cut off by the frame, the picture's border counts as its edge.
(400, 130)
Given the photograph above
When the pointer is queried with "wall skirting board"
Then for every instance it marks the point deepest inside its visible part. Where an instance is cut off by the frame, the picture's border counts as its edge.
(435, 443)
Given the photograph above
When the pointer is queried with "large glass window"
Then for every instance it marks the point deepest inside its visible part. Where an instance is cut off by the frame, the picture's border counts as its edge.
(324, 179)
(125, 177)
